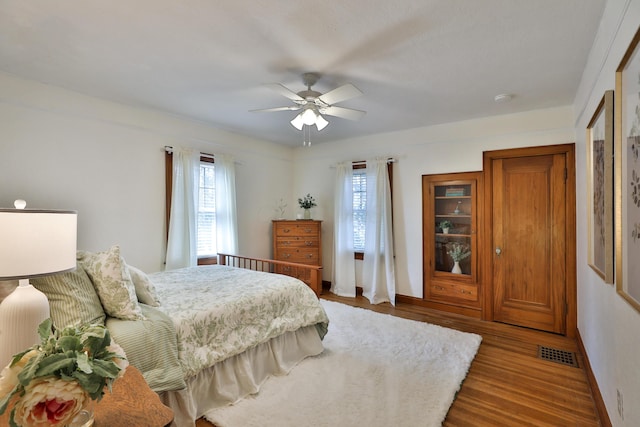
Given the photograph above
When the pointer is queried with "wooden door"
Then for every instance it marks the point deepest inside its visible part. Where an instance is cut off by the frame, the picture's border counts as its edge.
(529, 219)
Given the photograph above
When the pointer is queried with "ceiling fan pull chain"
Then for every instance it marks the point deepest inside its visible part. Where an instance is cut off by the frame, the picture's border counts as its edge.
(306, 136)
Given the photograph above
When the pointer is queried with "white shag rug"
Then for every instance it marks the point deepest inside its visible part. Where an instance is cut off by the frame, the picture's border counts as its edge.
(376, 370)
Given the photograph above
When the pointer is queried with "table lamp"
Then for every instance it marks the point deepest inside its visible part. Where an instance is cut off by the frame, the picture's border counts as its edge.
(33, 243)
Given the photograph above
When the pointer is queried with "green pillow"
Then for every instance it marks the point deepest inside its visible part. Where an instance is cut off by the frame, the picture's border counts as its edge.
(72, 298)
(112, 282)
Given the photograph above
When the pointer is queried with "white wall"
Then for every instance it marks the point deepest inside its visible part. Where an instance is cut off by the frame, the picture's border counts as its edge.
(608, 325)
(455, 147)
(63, 150)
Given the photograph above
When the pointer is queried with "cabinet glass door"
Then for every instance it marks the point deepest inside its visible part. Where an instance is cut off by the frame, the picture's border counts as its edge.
(453, 215)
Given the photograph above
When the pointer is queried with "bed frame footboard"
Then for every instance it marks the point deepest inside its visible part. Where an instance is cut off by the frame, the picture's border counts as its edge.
(309, 274)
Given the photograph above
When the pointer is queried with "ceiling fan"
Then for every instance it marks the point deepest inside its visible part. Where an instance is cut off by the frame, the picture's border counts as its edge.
(312, 104)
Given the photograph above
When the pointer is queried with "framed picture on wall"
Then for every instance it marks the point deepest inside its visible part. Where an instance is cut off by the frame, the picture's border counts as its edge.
(600, 188)
(627, 174)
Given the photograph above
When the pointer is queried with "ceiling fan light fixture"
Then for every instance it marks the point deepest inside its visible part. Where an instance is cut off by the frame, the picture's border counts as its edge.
(313, 105)
(297, 122)
(321, 123)
(309, 116)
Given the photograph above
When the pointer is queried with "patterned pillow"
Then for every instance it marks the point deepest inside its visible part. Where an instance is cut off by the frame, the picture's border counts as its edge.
(72, 298)
(112, 281)
(145, 290)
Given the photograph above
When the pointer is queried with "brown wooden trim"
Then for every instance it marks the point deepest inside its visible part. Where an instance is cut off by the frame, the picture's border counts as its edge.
(571, 319)
(486, 245)
(605, 421)
(358, 255)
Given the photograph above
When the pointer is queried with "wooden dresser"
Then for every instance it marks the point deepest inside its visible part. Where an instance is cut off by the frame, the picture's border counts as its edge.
(298, 241)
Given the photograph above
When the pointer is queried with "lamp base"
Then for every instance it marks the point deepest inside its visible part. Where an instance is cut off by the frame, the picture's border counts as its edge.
(21, 313)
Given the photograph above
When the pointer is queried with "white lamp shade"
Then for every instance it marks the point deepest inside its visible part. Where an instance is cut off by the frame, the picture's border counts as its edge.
(32, 243)
(36, 243)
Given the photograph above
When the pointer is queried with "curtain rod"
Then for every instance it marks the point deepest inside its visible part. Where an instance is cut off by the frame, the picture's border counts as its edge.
(363, 162)
(169, 149)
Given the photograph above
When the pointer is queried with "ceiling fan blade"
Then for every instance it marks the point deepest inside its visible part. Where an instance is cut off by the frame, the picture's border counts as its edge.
(343, 113)
(284, 91)
(341, 93)
(269, 110)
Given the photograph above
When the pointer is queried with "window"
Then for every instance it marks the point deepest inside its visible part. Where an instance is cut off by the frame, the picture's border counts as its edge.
(360, 204)
(359, 207)
(206, 215)
(207, 210)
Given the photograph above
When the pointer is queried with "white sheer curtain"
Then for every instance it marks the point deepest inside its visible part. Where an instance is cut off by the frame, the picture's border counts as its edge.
(378, 275)
(343, 281)
(226, 217)
(182, 243)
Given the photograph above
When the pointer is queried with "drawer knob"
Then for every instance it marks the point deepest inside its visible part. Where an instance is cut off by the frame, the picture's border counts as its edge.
(286, 230)
(308, 243)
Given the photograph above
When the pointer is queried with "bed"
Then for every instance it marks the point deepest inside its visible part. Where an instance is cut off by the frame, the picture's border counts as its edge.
(205, 336)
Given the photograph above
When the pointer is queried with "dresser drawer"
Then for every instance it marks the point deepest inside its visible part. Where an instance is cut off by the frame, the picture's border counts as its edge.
(454, 290)
(298, 228)
(298, 242)
(301, 255)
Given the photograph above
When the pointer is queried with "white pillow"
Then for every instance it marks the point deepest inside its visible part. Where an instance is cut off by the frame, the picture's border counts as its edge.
(145, 290)
(112, 280)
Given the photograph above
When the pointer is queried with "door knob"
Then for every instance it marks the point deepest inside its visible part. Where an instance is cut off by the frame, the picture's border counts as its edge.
(498, 251)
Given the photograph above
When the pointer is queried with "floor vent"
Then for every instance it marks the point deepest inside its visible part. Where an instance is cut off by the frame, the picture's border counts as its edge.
(559, 356)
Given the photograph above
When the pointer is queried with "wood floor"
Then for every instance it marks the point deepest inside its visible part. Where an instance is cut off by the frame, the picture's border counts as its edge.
(507, 384)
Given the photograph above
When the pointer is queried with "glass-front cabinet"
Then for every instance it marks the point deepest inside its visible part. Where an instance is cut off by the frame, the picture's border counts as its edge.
(450, 239)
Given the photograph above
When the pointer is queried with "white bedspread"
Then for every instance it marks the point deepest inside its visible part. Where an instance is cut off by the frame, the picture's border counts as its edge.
(221, 311)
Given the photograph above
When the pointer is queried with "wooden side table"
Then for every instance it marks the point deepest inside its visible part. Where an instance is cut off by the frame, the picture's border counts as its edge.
(132, 403)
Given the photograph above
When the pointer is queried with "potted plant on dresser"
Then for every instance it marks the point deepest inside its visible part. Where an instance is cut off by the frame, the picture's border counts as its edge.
(306, 203)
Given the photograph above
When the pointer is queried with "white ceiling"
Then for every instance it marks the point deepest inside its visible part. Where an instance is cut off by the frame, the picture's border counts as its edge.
(418, 62)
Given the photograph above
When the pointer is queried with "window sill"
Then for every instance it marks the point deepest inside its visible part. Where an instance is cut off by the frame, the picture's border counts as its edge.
(208, 260)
